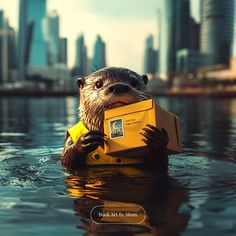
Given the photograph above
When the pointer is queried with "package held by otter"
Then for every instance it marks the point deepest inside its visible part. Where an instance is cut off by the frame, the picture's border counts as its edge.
(123, 125)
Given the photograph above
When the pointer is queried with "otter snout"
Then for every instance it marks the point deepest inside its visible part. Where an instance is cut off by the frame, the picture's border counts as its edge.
(117, 88)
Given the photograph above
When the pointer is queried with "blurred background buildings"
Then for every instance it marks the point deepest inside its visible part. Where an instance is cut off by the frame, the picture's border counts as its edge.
(36, 57)
(192, 54)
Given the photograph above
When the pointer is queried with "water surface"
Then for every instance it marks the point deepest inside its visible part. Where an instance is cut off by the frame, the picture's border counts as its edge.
(39, 198)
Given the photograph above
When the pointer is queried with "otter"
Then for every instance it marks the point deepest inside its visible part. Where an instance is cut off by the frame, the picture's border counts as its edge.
(104, 89)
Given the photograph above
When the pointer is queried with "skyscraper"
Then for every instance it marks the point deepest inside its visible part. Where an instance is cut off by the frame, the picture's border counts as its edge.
(36, 12)
(63, 51)
(194, 38)
(217, 29)
(182, 24)
(150, 56)
(174, 34)
(81, 56)
(12, 64)
(1, 38)
(99, 57)
(22, 36)
(1, 19)
(7, 49)
(189, 59)
(52, 37)
(32, 47)
(167, 36)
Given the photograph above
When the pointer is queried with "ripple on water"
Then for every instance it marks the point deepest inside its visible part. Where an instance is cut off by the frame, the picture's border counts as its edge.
(12, 134)
(211, 187)
(9, 202)
(33, 196)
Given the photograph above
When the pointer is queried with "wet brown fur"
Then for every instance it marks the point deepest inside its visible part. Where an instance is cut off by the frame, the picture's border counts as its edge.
(94, 101)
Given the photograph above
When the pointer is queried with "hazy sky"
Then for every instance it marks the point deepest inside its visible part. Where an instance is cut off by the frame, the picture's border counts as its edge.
(123, 25)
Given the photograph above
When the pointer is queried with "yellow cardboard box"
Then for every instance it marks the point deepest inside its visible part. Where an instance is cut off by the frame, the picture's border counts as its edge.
(123, 125)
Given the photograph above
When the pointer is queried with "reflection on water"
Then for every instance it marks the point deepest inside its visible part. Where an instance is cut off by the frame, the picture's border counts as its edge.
(208, 124)
(38, 197)
(129, 187)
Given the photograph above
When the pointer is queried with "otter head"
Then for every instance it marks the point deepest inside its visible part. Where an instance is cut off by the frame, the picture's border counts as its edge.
(109, 88)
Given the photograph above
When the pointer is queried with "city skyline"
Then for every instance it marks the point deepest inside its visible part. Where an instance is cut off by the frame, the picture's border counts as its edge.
(139, 23)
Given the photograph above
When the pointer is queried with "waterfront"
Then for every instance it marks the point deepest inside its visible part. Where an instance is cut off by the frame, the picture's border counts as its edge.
(38, 197)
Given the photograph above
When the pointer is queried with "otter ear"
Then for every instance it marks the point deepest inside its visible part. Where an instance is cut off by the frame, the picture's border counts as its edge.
(80, 82)
(145, 79)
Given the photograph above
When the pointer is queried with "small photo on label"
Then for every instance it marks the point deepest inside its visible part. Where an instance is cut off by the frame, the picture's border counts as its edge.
(116, 128)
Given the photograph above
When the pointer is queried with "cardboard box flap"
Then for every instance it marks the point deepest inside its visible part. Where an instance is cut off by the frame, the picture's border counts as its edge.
(141, 106)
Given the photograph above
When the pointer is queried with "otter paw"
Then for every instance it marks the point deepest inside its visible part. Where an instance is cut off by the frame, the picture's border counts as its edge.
(155, 138)
(90, 141)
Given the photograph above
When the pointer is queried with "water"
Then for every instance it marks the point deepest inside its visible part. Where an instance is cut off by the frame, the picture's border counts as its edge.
(39, 198)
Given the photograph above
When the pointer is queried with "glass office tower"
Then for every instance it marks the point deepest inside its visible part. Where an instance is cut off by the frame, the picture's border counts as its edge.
(167, 33)
(174, 34)
(217, 30)
(32, 46)
(53, 39)
(150, 56)
(63, 51)
(22, 39)
(99, 57)
(36, 12)
(1, 37)
(81, 56)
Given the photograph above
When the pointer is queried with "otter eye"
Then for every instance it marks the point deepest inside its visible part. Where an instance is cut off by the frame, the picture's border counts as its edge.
(99, 84)
(134, 84)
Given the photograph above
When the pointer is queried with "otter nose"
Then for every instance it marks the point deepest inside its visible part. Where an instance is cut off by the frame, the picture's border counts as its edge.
(119, 88)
